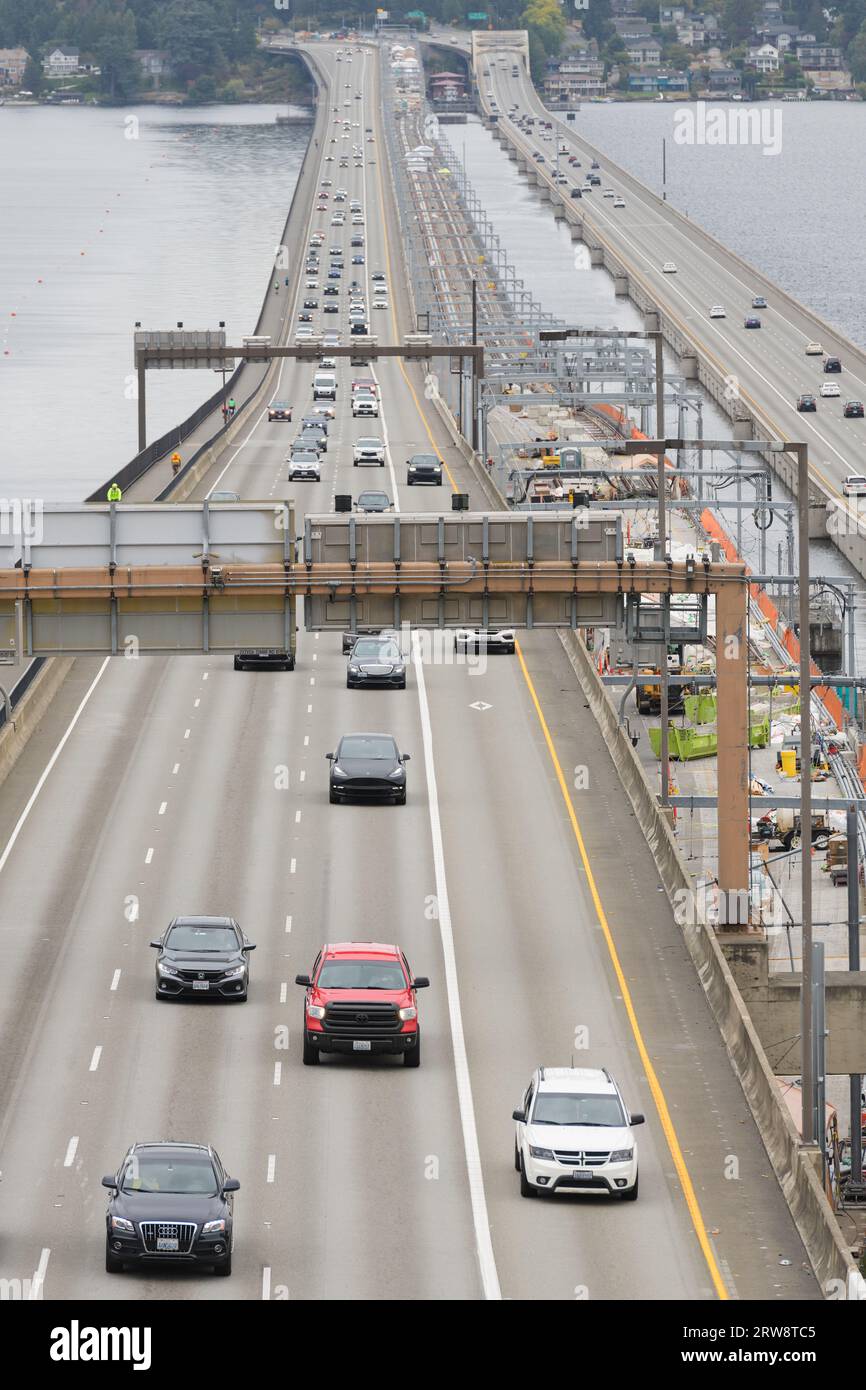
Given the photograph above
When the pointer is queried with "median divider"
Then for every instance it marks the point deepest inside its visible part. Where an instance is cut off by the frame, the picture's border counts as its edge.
(793, 1165)
(28, 711)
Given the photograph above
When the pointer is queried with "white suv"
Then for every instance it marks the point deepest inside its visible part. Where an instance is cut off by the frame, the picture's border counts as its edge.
(574, 1131)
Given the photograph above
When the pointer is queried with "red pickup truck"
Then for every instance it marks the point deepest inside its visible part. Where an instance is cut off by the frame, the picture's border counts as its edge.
(360, 997)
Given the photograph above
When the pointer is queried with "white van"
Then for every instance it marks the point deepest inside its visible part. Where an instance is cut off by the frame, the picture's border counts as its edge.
(325, 386)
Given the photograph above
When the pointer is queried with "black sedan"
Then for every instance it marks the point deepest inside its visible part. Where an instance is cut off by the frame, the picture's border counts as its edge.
(752, 322)
(277, 410)
(331, 289)
(331, 309)
(204, 957)
(311, 303)
(853, 410)
(170, 1203)
(368, 765)
(311, 438)
(305, 317)
(805, 403)
(376, 662)
(424, 468)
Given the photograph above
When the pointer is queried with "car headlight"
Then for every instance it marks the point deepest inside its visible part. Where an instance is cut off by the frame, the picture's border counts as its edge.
(622, 1156)
(120, 1223)
(413, 467)
(338, 772)
(165, 969)
(315, 1011)
(399, 670)
(398, 772)
(541, 1153)
(235, 972)
(210, 1226)
(354, 670)
(407, 1013)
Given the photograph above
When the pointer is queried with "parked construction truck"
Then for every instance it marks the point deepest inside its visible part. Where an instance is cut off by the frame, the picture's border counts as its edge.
(644, 657)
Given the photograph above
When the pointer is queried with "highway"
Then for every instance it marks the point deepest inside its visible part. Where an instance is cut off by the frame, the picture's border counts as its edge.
(767, 366)
(515, 878)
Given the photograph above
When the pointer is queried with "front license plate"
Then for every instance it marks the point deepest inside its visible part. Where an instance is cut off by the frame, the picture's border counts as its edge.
(201, 984)
(582, 1174)
(358, 1046)
(167, 1244)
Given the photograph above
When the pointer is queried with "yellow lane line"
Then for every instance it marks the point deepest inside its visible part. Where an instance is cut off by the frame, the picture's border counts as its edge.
(649, 1070)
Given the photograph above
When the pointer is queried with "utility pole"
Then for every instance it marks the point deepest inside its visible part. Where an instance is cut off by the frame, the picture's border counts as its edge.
(807, 1041)
(474, 372)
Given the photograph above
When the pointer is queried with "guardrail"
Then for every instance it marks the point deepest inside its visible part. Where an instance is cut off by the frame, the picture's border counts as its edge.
(22, 685)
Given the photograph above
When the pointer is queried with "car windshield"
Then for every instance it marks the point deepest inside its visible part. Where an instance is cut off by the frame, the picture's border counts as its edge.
(369, 647)
(360, 974)
(177, 1173)
(553, 1108)
(188, 937)
(425, 460)
(368, 746)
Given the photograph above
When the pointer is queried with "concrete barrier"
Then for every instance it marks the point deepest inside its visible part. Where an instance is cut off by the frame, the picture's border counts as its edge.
(27, 714)
(793, 1165)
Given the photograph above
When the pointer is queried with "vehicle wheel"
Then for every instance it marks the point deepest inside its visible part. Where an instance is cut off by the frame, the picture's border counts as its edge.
(413, 1058)
(289, 664)
(526, 1188)
(402, 685)
(333, 798)
(791, 841)
(409, 482)
(631, 1194)
(112, 1264)
(225, 1268)
(821, 841)
(516, 1158)
(311, 1054)
(239, 665)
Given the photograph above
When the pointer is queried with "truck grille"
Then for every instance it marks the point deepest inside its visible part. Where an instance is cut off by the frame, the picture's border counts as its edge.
(181, 1231)
(580, 1158)
(361, 1020)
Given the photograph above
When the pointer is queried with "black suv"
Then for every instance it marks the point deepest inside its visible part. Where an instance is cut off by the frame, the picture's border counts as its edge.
(806, 403)
(203, 956)
(170, 1202)
(424, 468)
(832, 364)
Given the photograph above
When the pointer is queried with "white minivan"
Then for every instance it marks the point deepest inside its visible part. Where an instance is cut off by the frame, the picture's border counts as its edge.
(325, 386)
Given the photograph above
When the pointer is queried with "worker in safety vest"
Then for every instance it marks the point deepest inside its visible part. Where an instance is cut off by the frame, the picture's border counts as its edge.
(114, 493)
(176, 461)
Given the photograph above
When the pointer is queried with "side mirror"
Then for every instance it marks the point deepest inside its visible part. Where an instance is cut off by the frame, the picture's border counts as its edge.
(249, 946)
(157, 944)
(329, 757)
(421, 982)
(231, 1185)
(303, 980)
(518, 1115)
(406, 757)
(110, 1181)
(637, 1118)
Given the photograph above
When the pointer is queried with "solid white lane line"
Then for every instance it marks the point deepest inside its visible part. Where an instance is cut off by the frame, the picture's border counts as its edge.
(278, 1073)
(49, 765)
(288, 923)
(39, 1274)
(115, 979)
(149, 856)
(272, 1165)
(266, 1284)
(293, 865)
(94, 1061)
(283, 992)
(481, 1220)
(70, 1151)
